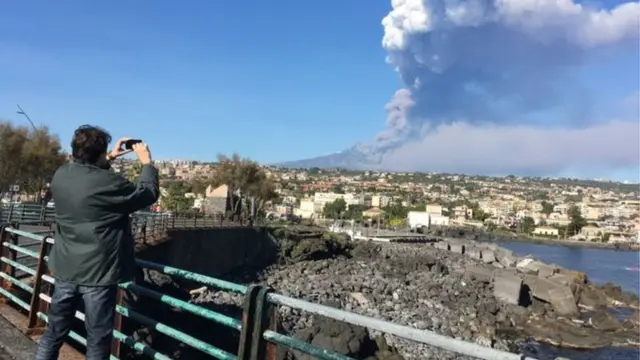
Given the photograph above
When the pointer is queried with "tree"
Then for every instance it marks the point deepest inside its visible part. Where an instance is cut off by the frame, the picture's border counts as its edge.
(527, 225)
(28, 157)
(396, 211)
(577, 221)
(245, 178)
(334, 209)
(12, 141)
(354, 212)
(547, 208)
(175, 199)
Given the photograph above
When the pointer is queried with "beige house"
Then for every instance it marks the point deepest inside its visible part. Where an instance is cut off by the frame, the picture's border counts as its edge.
(589, 232)
(462, 212)
(434, 209)
(545, 231)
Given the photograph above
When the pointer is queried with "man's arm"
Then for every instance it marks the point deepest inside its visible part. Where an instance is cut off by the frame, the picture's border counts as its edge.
(127, 197)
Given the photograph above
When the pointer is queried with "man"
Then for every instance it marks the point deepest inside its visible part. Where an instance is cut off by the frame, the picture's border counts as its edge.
(94, 249)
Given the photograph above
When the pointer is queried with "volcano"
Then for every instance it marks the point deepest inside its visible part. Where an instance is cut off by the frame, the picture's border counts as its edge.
(358, 157)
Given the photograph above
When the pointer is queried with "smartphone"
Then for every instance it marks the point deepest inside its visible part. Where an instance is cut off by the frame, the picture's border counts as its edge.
(128, 145)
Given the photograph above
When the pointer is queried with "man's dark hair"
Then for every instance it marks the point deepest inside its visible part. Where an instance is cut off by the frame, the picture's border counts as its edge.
(89, 144)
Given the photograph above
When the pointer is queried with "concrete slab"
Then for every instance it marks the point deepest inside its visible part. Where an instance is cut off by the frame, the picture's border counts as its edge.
(507, 287)
(488, 256)
(456, 248)
(442, 245)
(558, 295)
(529, 280)
(480, 273)
(563, 279)
(535, 267)
(473, 252)
(563, 301)
(507, 260)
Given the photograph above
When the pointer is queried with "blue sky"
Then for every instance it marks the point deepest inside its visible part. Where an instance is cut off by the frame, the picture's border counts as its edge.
(272, 80)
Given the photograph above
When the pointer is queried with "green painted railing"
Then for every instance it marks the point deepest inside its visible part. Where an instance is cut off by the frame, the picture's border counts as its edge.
(31, 212)
(257, 326)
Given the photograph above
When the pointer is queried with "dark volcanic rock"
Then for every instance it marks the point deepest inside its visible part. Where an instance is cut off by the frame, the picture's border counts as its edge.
(605, 321)
(346, 339)
(415, 285)
(614, 292)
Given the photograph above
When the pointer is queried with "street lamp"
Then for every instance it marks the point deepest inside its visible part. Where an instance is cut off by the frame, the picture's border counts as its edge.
(23, 113)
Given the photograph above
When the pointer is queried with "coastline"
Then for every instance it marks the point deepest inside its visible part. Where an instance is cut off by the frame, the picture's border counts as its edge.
(569, 243)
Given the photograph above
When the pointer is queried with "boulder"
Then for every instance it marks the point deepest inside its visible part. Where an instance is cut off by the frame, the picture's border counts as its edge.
(633, 320)
(604, 321)
(350, 340)
(592, 297)
(615, 293)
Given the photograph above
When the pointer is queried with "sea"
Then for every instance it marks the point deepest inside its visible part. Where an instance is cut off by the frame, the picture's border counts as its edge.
(601, 266)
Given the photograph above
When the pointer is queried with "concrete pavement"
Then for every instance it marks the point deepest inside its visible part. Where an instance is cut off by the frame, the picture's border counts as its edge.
(14, 345)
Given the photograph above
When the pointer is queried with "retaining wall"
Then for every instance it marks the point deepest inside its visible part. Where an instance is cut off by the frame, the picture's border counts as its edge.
(214, 251)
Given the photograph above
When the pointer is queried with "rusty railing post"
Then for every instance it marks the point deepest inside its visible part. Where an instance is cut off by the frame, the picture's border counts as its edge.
(248, 319)
(265, 318)
(116, 346)
(4, 235)
(34, 323)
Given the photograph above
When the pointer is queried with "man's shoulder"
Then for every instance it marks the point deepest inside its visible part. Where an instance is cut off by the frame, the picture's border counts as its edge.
(73, 172)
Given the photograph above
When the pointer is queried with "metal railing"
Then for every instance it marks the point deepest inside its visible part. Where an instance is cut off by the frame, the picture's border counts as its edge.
(33, 213)
(26, 212)
(257, 325)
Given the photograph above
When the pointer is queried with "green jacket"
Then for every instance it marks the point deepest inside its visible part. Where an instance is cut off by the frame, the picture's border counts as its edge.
(94, 245)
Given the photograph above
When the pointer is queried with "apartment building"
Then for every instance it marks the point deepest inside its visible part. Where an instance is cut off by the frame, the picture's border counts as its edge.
(380, 201)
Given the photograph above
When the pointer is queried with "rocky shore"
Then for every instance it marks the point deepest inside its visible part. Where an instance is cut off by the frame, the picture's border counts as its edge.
(507, 236)
(455, 287)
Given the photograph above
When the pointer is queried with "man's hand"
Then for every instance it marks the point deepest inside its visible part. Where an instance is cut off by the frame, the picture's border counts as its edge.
(143, 153)
(118, 149)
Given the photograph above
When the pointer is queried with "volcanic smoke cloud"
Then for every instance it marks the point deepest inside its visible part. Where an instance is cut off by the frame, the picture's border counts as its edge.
(481, 77)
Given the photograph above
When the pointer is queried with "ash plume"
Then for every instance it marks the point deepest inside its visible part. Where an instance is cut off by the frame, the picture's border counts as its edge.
(497, 65)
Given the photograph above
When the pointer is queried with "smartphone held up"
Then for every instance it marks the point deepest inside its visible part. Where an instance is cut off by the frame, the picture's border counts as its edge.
(128, 145)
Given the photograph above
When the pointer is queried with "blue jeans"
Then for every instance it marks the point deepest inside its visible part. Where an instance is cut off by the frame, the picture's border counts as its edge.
(99, 310)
